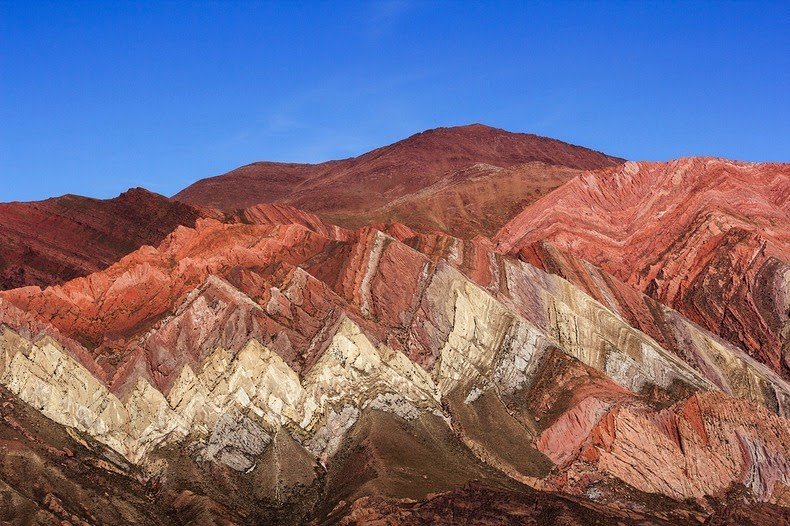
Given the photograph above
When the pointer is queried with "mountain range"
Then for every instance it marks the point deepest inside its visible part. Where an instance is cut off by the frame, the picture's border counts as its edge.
(469, 326)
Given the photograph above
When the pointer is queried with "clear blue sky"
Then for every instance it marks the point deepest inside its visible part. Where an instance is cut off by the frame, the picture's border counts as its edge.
(98, 97)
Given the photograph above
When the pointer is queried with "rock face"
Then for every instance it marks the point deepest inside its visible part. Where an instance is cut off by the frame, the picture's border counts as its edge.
(233, 347)
(264, 366)
(52, 241)
(707, 237)
(474, 200)
(471, 168)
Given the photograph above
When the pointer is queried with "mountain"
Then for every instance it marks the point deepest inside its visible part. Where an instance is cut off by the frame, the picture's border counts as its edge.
(52, 241)
(613, 355)
(472, 201)
(707, 237)
(467, 180)
(279, 372)
(472, 166)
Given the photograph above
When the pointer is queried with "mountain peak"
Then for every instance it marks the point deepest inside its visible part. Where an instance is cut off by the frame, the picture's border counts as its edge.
(360, 187)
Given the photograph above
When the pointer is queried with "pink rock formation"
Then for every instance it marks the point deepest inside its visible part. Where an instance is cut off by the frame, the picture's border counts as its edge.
(707, 237)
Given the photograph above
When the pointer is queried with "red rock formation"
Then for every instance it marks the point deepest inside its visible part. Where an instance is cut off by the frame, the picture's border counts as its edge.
(434, 180)
(393, 368)
(280, 214)
(49, 242)
(601, 431)
(707, 237)
(106, 310)
(82, 235)
(668, 327)
(158, 309)
(677, 451)
(222, 284)
(523, 288)
(476, 200)
(474, 166)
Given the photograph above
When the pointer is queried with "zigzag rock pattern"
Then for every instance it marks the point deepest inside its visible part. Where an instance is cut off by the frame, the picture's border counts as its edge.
(237, 343)
(617, 354)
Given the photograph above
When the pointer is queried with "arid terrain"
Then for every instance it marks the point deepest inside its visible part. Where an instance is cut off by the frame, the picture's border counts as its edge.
(469, 326)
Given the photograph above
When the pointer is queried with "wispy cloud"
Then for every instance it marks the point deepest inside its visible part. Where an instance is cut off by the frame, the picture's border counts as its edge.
(384, 16)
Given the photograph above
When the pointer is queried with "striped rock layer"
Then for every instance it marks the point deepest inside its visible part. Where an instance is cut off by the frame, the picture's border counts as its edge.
(706, 237)
(291, 356)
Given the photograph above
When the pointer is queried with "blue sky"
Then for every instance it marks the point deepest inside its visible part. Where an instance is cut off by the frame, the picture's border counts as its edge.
(99, 97)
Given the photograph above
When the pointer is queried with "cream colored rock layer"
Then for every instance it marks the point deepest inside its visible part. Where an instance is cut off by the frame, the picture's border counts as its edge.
(599, 337)
(63, 390)
(351, 374)
(486, 345)
(490, 340)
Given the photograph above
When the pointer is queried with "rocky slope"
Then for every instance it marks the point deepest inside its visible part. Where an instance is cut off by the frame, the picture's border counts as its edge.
(475, 167)
(472, 201)
(319, 373)
(707, 237)
(50, 242)
(613, 356)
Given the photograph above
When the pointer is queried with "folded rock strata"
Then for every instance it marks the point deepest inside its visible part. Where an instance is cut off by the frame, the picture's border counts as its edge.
(567, 284)
(230, 340)
(616, 354)
(707, 237)
(726, 365)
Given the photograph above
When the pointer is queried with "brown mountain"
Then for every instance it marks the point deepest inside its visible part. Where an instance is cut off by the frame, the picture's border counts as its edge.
(467, 180)
(52, 241)
(475, 167)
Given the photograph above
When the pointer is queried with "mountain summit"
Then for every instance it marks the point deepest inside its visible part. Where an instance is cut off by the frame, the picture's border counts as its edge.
(362, 189)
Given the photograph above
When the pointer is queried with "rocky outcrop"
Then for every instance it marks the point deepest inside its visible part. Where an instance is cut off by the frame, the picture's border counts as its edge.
(557, 306)
(438, 345)
(724, 364)
(49, 474)
(52, 382)
(107, 309)
(350, 376)
(272, 214)
(475, 200)
(707, 237)
(398, 295)
(603, 431)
